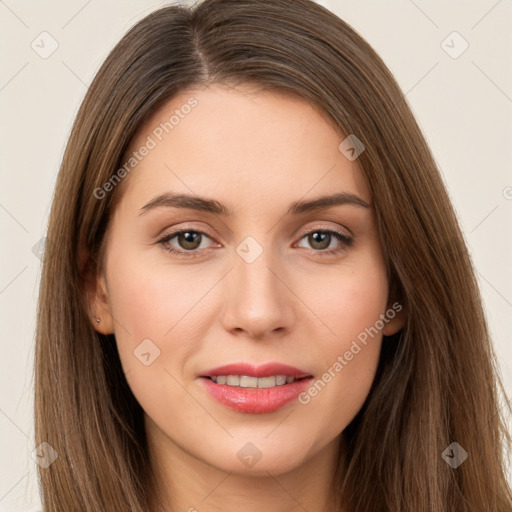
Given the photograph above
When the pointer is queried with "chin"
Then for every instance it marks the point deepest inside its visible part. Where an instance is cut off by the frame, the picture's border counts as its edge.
(259, 458)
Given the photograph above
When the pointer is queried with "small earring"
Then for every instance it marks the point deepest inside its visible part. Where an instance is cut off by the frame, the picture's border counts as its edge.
(98, 320)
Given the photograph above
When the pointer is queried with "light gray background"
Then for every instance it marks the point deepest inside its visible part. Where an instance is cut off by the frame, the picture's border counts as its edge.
(463, 104)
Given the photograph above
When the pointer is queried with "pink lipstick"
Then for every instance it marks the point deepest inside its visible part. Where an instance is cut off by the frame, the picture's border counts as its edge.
(255, 389)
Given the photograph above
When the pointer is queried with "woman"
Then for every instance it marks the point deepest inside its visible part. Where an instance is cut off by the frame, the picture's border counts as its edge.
(255, 293)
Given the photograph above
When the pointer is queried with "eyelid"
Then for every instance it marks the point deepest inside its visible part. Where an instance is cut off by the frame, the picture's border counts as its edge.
(171, 234)
(175, 230)
(307, 231)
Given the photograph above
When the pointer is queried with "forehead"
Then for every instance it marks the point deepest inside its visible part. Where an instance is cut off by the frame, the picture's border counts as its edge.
(240, 146)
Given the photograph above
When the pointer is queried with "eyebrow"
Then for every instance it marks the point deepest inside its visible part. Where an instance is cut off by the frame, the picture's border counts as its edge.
(172, 200)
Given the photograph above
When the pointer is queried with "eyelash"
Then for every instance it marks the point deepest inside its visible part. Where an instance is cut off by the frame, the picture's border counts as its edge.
(345, 240)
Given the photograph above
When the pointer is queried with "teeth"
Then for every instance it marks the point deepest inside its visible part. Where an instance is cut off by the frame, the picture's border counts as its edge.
(233, 380)
(264, 382)
(281, 379)
(248, 382)
(245, 381)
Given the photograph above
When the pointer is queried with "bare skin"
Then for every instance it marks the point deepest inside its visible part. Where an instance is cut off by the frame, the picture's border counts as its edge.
(256, 153)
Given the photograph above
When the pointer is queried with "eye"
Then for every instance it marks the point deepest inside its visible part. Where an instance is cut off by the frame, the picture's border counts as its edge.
(189, 241)
(321, 241)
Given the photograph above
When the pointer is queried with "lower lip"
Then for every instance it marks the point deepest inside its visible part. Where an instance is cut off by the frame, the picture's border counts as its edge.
(256, 400)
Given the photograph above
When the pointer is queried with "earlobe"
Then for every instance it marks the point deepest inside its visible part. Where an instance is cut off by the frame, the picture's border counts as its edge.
(396, 316)
(96, 294)
(102, 316)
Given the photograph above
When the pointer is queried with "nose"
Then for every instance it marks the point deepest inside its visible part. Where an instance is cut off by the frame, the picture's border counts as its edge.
(259, 301)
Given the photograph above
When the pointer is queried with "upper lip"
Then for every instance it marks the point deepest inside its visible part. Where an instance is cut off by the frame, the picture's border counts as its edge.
(265, 370)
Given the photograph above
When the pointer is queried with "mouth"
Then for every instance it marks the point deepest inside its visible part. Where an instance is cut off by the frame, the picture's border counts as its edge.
(247, 371)
(255, 390)
(248, 381)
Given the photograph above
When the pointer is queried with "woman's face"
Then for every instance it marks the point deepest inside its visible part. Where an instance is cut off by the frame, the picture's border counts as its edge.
(262, 275)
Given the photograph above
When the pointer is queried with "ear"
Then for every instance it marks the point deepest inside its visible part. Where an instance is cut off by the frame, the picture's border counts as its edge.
(396, 315)
(96, 293)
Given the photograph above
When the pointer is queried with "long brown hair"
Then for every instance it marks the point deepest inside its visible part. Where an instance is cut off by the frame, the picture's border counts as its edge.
(437, 380)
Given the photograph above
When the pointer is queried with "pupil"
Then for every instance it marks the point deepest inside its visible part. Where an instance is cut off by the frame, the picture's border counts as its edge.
(188, 239)
(322, 236)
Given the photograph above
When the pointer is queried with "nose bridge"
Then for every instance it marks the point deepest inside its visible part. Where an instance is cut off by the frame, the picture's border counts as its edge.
(258, 301)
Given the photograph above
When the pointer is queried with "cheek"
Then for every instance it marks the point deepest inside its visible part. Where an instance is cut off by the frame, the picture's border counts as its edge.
(151, 298)
(162, 314)
(350, 349)
(349, 299)
(146, 304)
(154, 328)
